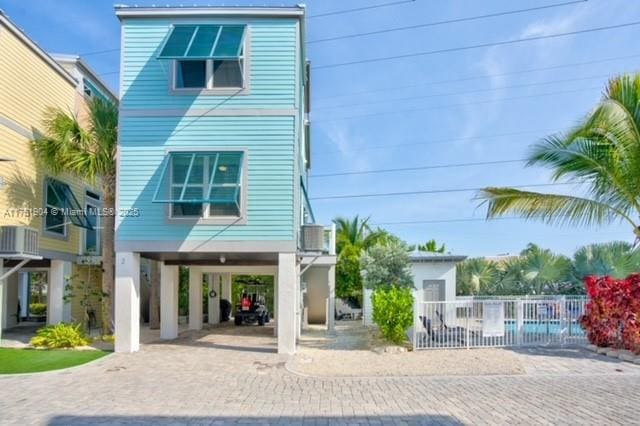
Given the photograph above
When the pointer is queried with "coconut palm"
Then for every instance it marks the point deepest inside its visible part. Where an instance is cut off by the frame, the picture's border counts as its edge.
(602, 152)
(88, 152)
(476, 276)
(617, 259)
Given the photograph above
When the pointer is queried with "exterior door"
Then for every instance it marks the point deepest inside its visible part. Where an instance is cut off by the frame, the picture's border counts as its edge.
(433, 290)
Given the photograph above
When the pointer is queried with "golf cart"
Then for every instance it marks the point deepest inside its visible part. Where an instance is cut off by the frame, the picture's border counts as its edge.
(252, 308)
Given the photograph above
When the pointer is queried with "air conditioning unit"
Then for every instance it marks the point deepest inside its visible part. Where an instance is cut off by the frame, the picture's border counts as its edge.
(18, 241)
(313, 238)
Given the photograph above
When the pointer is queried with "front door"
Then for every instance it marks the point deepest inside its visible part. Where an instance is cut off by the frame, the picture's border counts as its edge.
(433, 290)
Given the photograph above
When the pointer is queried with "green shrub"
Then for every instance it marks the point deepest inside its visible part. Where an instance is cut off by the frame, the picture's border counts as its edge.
(60, 336)
(38, 309)
(393, 312)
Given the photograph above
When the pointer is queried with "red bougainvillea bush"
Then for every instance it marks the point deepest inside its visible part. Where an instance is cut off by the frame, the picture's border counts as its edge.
(612, 317)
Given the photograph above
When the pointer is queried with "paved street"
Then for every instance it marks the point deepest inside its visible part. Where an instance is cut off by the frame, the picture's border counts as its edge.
(234, 376)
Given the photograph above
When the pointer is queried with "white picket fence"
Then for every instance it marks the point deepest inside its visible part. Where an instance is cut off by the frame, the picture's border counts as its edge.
(499, 322)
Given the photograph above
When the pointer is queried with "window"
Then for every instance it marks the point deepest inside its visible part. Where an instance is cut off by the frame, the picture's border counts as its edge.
(209, 74)
(62, 207)
(206, 56)
(202, 184)
(92, 243)
(54, 223)
(191, 75)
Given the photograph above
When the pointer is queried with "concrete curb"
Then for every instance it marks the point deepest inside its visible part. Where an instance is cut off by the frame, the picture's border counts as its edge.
(621, 354)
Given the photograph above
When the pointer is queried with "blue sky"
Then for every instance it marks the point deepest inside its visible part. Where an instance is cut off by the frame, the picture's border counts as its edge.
(495, 113)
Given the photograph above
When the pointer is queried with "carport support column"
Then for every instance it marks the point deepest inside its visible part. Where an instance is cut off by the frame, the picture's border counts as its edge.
(195, 298)
(127, 302)
(331, 281)
(287, 285)
(225, 290)
(213, 281)
(168, 301)
(2, 297)
(58, 273)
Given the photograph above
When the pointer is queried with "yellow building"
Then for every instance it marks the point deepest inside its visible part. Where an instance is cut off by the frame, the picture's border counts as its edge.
(31, 83)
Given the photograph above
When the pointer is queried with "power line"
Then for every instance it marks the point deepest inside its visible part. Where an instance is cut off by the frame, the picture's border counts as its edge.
(360, 9)
(448, 21)
(448, 140)
(489, 101)
(99, 52)
(477, 46)
(464, 92)
(470, 219)
(478, 77)
(429, 191)
(405, 169)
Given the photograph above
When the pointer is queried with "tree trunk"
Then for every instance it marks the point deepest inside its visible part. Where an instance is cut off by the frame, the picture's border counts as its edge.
(154, 296)
(108, 261)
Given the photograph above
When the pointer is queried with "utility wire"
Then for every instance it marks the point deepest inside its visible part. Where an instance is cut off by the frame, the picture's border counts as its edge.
(448, 140)
(478, 77)
(448, 21)
(477, 46)
(433, 107)
(470, 219)
(429, 191)
(99, 52)
(465, 92)
(405, 169)
(360, 9)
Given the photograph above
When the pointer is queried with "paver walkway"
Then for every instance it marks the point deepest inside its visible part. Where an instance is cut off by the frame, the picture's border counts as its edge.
(232, 375)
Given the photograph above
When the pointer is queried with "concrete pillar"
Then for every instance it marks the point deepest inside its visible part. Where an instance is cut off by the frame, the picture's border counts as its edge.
(2, 298)
(225, 287)
(331, 305)
(169, 276)
(23, 294)
(287, 301)
(213, 281)
(195, 298)
(127, 302)
(59, 272)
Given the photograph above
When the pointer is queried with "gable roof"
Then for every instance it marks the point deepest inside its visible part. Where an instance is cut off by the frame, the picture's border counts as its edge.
(14, 29)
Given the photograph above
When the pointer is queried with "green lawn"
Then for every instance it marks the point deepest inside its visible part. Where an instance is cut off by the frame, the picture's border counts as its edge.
(32, 361)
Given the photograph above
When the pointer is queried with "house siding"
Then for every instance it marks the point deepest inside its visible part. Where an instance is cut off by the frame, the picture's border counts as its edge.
(145, 79)
(263, 122)
(29, 86)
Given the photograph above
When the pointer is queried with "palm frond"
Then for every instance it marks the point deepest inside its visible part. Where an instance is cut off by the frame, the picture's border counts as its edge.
(549, 208)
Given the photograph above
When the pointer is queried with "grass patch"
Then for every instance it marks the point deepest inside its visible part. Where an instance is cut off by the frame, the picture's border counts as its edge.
(14, 361)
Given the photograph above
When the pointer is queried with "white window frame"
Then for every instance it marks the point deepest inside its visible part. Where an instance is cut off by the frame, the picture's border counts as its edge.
(210, 88)
(47, 230)
(97, 204)
(206, 218)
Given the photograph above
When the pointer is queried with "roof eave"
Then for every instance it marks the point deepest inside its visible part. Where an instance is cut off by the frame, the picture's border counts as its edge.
(123, 12)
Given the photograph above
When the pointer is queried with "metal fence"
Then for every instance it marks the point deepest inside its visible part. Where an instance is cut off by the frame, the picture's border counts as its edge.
(499, 322)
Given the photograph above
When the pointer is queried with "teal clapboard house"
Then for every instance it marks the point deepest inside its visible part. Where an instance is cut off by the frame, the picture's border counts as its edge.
(213, 158)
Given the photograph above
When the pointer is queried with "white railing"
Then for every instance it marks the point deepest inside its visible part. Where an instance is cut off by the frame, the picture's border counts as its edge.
(499, 322)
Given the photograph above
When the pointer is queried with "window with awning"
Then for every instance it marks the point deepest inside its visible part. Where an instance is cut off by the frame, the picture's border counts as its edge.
(208, 41)
(62, 207)
(202, 184)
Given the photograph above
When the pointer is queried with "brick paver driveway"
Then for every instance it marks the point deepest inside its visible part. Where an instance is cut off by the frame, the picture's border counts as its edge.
(223, 377)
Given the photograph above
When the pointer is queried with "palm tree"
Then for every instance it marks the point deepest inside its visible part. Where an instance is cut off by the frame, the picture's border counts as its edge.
(432, 247)
(617, 259)
(476, 276)
(88, 152)
(542, 271)
(602, 152)
(356, 232)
